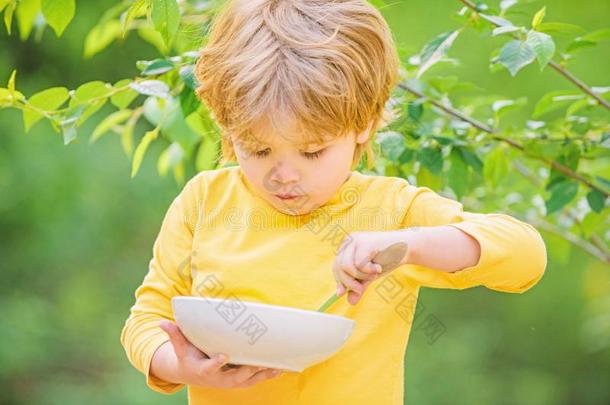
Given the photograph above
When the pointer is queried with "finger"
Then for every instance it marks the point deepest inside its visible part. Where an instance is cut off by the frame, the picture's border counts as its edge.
(349, 283)
(213, 364)
(348, 264)
(354, 297)
(230, 366)
(371, 274)
(337, 269)
(242, 374)
(365, 264)
(261, 376)
(178, 340)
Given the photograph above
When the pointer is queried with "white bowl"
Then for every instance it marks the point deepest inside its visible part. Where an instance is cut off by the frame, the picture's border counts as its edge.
(263, 335)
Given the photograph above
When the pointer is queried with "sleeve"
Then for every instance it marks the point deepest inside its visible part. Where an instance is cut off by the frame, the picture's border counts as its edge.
(168, 275)
(513, 253)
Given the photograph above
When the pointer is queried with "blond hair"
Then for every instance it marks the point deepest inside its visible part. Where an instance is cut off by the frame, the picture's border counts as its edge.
(330, 65)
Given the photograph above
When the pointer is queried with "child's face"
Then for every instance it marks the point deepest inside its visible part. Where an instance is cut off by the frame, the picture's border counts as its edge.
(280, 166)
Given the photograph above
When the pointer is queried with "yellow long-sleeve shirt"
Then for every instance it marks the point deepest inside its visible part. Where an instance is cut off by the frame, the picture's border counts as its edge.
(219, 238)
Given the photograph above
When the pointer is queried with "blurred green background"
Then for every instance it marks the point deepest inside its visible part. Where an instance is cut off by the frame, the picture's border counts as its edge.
(76, 235)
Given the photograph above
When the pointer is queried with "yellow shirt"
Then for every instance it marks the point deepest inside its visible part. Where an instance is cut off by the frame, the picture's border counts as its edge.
(219, 229)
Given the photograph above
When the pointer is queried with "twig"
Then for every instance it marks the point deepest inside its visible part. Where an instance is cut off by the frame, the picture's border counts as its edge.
(596, 246)
(492, 131)
(557, 67)
(449, 110)
(570, 237)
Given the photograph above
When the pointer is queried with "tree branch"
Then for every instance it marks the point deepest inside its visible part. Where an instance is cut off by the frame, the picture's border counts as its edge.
(595, 246)
(492, 131)
(557, 67)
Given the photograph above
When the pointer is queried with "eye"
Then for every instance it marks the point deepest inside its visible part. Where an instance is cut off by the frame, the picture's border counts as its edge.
(313, 155)
(308, 155)
(261, 153)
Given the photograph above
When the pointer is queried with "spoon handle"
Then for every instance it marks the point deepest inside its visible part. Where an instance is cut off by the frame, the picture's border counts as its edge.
(389, 258)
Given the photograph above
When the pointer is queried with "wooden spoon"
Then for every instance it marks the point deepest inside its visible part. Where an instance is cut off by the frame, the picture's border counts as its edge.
(389, 258)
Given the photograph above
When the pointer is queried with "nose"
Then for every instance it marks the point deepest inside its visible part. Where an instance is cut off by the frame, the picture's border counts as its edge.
(282, 177)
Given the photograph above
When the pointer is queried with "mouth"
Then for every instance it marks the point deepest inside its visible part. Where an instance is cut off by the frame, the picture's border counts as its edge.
(286, 196)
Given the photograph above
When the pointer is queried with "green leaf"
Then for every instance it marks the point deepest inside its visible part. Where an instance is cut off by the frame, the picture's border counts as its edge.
(459, 175)
(8, 15)
(188, 101)
(569, 157)
(127, 134)
(501, 107)
(578, 44)
(597, 36)
(415, 110)
(101, 36)
(392, 144)
(110, 121)
(543, 45)
(174, 126)
(515, 55)
(11, 83)
(90, 90)
(166, 19)
(592, 223)
(406, 156)
(136, 9)
(169, 158)
(425, 178)
(559, 28)
(58, 13)
(431, 158)
(590, 39)
(496, 166)
(138, 155)
(576, 106)
(435, 50)
(471, 159)
(93, 95)
(538, 17)
(123, 98)
(506, 29)
(596, 200)
(554, 100)
(506, 4)
(499, 21)
(443, 140)
(187, 74)
(155, 88)
(27, 11)
(158, 67)
(443, 84)
(47, 100)
(9, 98)
(548, 150)
(69, 124)
(154, 38)
(561, 194)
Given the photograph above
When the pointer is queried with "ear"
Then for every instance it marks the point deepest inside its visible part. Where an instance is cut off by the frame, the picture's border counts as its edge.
(364, 135)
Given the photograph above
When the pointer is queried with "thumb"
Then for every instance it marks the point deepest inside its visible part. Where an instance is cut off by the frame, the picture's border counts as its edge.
(179, 341)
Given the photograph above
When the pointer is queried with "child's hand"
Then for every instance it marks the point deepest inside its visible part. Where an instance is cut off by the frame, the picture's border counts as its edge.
(353, 267)
(189, 365)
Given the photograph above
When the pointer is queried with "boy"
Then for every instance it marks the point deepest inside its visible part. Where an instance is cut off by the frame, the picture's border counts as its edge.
(298, 88)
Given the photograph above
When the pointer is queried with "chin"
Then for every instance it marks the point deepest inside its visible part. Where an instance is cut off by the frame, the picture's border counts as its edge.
(293, 211)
